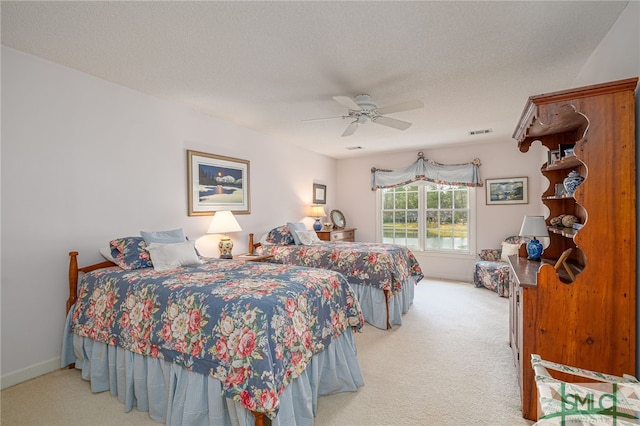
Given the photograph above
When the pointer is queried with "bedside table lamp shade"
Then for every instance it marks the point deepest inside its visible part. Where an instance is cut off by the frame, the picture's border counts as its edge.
(224, 222)
(534, 226)
(317, 212)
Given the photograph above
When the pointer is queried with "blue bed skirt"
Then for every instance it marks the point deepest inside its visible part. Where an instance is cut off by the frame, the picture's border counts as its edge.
(373, 304)
(176, 396)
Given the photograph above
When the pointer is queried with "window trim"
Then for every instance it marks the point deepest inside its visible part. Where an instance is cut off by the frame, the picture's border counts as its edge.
(473, 212)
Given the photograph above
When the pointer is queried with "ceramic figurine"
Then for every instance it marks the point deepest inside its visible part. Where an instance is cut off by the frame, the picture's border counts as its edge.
(572, 182)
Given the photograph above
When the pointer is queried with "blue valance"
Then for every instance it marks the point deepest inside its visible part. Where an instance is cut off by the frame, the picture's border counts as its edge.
(423, 169)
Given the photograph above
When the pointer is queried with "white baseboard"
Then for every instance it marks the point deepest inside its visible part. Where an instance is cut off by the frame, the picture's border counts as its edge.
(30, 372)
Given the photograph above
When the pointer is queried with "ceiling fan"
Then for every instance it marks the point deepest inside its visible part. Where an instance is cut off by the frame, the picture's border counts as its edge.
(362, 108)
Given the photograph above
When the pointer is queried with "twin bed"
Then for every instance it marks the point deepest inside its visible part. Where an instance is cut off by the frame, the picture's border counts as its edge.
(382, 275)
(228, 342)
(222, 342)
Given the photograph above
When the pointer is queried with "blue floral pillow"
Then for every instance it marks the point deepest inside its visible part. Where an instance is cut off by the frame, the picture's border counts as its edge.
(280, 236)
(130, 253)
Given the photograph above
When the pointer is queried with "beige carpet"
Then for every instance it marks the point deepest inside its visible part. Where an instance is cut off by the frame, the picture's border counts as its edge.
(449, 364)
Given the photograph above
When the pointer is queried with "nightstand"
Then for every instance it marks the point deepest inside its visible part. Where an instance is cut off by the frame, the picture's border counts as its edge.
(343, 234)
(254, 257)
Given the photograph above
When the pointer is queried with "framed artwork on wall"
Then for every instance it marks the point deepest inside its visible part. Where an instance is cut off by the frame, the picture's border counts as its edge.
(319, 194)
(507, 191)
(217, 183)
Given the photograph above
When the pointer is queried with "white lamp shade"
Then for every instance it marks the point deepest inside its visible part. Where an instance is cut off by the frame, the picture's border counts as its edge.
(317, 211)
(223, 222)
(534, 226)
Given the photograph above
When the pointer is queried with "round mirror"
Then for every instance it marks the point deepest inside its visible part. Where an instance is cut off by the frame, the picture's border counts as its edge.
(337, 218)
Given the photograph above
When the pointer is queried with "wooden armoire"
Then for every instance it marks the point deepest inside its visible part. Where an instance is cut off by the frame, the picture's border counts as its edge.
(581, 312)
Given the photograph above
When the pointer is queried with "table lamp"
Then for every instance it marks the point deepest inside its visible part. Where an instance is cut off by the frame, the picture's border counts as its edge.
(534, 226)
(224, 222)
(317, 212)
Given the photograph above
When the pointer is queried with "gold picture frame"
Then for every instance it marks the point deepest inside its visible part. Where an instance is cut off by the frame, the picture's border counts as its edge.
(215, 183)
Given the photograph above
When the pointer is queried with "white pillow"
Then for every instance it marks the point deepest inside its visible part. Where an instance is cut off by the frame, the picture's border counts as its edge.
(166, 237)
(509, 249)
(308, 237)
(173, 255)
(294, 228)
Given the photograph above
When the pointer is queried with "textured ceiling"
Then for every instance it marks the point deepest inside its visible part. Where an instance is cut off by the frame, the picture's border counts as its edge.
(270, 65)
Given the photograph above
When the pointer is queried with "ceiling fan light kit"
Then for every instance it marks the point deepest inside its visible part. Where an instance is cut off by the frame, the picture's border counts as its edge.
(362, 108)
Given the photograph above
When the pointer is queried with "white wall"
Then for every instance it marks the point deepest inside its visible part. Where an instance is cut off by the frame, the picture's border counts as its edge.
(499, 159)
(85, 161)
(618, 55)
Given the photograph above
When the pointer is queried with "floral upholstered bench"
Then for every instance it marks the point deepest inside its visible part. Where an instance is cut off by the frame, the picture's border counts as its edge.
(492, 270)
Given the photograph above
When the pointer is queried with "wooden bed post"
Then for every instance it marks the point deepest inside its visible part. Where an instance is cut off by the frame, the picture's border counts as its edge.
(73, 279)
(261, 419)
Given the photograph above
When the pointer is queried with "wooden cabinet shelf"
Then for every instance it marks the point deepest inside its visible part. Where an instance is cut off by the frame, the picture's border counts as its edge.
(580, 311)
(565, 232)
(566, 162)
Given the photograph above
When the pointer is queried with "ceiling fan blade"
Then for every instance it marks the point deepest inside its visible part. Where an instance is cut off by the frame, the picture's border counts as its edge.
(392, 122)
(348, 102)
(323, 119)
(351, 128)
(404, 106)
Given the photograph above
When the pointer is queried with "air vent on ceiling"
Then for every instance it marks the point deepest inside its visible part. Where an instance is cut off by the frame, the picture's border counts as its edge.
(353, 148)
(480, 132)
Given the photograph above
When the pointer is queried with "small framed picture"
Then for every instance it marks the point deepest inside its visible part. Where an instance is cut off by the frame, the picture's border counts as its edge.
(566, 150)
(560, 190)
(507, 191)
(319, 194)
(552, 156)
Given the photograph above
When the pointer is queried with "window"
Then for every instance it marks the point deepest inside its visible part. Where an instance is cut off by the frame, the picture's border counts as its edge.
(426, 216)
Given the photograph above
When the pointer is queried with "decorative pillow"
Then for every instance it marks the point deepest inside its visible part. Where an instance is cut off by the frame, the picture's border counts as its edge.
(263, 240)
(280, 236)
(173, 255)
(293, 227)
(509, 249)
(165, 237)
(130, 253)
(106, 253)
(308, 237)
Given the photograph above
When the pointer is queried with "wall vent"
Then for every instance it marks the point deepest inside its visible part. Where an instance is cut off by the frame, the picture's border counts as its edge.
(353, 148)
(480, 132)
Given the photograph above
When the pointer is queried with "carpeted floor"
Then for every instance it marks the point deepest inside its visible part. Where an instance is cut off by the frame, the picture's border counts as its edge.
(449, 364)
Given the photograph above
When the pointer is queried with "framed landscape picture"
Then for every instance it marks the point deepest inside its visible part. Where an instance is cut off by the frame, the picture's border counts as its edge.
(217, 183)
(507, 191)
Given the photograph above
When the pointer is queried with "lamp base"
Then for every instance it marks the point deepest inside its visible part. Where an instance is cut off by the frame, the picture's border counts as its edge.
(317, 226)
(225, 245)
(534, 249)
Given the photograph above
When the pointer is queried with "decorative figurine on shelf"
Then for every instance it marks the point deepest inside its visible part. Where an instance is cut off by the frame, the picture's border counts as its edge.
(564, 220)
(568, 220)
(572, 181)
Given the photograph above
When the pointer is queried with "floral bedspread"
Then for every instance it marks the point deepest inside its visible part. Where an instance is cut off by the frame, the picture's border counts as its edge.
(251, 325)
(384, 266)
